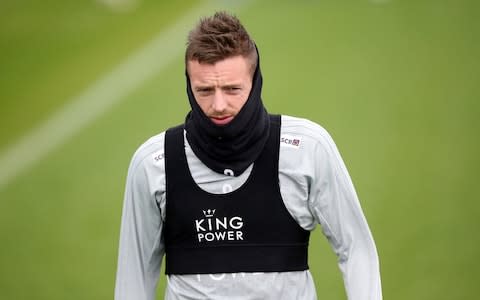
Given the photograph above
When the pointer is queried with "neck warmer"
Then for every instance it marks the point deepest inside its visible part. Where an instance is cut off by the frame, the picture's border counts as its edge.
(229, 149)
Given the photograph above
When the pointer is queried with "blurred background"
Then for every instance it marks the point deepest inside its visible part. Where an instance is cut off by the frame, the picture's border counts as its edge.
(395, 82)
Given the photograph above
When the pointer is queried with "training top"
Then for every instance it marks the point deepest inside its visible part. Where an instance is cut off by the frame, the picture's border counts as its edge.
(315, 188)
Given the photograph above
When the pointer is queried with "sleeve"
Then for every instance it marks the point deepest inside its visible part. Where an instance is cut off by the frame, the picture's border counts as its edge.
(336, 208)
(141, 245)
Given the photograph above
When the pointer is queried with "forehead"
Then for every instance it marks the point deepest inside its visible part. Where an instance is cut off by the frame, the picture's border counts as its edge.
(232, 68)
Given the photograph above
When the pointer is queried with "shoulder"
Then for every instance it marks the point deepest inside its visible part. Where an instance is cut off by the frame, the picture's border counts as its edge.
(304, 134)
(149, 153)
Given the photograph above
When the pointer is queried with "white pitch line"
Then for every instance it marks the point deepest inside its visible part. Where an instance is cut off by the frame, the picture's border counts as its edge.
(109, 90)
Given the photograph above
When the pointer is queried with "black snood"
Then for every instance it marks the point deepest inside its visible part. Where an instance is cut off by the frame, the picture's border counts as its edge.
(231, 148)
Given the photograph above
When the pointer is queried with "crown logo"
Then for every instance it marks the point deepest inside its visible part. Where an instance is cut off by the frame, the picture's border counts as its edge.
(209, 213)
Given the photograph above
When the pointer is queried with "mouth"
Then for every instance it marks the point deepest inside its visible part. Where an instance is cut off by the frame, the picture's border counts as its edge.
(221, 120)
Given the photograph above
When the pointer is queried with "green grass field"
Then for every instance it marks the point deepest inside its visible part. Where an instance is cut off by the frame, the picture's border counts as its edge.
(394, 82)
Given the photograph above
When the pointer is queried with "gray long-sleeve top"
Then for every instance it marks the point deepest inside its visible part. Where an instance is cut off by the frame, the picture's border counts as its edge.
(316, 189)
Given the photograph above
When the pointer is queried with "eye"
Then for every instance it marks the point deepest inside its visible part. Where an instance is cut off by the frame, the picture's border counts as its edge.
(232, 89)
(204, 90)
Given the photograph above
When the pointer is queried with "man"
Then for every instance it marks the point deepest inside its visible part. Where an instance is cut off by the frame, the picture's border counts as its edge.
(231, 195)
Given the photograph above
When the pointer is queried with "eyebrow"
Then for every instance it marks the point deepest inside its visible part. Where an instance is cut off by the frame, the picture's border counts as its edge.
(228, 86)
(204, 88)
(211, 87)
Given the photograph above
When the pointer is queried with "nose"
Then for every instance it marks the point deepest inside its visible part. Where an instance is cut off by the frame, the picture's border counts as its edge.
(219, 103)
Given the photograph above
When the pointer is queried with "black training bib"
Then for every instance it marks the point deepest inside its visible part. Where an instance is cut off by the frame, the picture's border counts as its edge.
(246, 230)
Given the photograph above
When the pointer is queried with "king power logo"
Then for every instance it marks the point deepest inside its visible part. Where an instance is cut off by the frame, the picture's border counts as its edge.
(213, 228)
